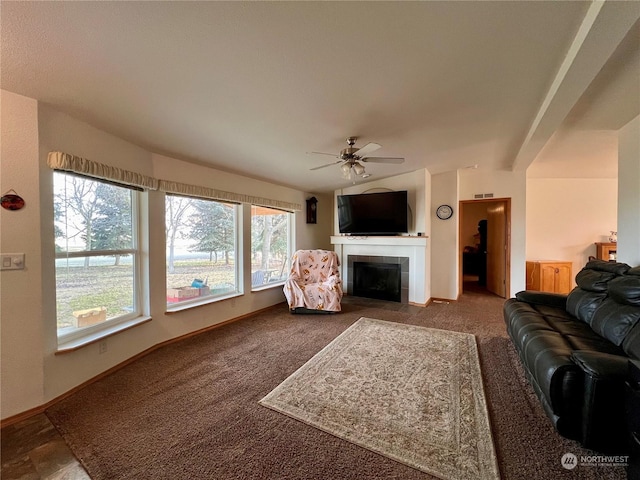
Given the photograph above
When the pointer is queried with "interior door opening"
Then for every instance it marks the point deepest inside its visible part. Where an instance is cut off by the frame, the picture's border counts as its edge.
(485, 246)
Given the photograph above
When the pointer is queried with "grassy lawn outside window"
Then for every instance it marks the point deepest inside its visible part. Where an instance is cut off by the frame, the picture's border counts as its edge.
(97, 255)
(202, 259)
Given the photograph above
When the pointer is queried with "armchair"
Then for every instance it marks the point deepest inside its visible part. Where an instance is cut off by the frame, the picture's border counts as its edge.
(314, 284)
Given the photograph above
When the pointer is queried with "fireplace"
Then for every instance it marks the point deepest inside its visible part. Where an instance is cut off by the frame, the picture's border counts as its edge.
(410, 252)
(383, 278)
(377, 280)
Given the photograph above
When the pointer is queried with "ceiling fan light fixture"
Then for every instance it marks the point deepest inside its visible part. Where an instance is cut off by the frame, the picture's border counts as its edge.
(358, 168)
(346, 169)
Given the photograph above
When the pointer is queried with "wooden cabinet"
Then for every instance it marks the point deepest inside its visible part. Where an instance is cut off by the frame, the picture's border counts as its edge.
(549, 276)
(606, 251)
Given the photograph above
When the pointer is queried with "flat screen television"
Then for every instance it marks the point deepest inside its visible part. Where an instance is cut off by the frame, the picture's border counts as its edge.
(383, 213)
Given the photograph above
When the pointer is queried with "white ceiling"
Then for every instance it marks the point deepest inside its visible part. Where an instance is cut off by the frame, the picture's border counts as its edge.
(250, 87)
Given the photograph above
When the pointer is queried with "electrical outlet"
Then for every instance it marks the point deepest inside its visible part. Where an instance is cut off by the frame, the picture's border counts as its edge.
(102, 347)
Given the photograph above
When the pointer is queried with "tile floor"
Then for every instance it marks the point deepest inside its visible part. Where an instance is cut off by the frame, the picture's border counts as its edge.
(34, 450)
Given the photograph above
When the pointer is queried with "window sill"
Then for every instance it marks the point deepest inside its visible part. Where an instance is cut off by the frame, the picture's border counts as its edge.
(180, 307)
(268, 286)
(78, 343)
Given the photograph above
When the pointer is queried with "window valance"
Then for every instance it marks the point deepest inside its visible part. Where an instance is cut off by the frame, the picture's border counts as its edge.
(215, 194)
(83, 166)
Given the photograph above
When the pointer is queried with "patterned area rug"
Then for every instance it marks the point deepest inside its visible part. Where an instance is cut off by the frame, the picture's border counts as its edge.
(410, 393)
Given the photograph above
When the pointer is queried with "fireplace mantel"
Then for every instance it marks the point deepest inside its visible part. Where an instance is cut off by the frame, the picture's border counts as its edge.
(380, 240)
(413, 247)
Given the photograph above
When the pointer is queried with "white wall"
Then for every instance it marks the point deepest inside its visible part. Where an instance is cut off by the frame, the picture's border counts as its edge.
(503, 184)
(629, 193)
(21, 313)
(566, 216)
(444, 237)
(32, 373)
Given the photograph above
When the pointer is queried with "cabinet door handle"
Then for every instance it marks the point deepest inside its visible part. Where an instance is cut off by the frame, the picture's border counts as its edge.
(557, 270)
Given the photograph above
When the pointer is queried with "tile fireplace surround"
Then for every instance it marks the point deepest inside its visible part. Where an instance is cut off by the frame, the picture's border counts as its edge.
(411, 247)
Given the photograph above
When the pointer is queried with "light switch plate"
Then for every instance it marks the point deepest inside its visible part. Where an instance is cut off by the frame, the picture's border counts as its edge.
(12, 261)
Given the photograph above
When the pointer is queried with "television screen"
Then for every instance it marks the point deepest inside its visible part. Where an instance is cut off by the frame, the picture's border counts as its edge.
(373, 213)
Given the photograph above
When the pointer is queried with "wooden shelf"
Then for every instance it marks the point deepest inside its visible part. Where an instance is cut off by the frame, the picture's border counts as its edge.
(606, 251)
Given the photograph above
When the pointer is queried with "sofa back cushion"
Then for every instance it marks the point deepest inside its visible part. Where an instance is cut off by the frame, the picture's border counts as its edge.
(613, 320)
(582, 303)
(626, 290)
(592, 288)
(593, 280)
(631, 343)
(617, 268)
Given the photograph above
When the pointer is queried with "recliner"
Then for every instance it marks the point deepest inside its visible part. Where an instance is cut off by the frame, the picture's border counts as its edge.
(314, 284)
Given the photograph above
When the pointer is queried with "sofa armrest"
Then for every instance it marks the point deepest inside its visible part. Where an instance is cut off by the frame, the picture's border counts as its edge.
(555, 300)
(601, 365)
(603, 420)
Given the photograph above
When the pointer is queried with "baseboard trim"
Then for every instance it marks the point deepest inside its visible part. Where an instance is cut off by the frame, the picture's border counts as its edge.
(441, 300)
(41, 408)
(415, 304)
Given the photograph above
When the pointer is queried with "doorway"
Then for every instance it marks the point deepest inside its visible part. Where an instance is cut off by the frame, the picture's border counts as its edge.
(485, 246)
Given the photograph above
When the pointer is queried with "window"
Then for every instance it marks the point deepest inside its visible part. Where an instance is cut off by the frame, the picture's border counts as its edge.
(202, 258)
(270, 245)
(97, 256)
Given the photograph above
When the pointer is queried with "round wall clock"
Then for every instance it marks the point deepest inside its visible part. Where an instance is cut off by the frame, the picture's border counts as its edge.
(444, 212)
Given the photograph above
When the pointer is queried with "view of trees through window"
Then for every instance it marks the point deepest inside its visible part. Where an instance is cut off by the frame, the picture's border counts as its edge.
(270, 245)
(95, 225)
(95, 251)
(201, 248)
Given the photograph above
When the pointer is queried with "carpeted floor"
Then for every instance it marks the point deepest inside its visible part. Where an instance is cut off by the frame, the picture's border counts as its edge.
(190, 410)
(410, 393)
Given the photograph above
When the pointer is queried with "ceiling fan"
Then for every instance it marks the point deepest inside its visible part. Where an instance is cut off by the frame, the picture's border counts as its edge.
(352, 158)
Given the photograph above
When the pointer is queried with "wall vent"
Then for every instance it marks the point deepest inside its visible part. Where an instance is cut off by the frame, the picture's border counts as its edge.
(488, 195)
(478, 195)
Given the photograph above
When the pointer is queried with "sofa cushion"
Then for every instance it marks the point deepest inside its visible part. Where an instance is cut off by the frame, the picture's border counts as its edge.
(631, 343)
(570, 327)
(593, 280)
(625, 290)
(593, 344)
(604, 266)
(582, 304)
(613, 320)
(533, 297)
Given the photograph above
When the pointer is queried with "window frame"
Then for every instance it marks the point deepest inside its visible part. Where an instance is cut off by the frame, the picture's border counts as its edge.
(290, 235)
(172, 307)
(92, 331)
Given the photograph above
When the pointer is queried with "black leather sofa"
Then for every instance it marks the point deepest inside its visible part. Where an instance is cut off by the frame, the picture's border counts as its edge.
(575, 350)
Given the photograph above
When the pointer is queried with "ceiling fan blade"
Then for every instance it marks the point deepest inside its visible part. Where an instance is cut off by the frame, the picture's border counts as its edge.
(396, 160)
(368, 148)
(326, 165)
(322, 153)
